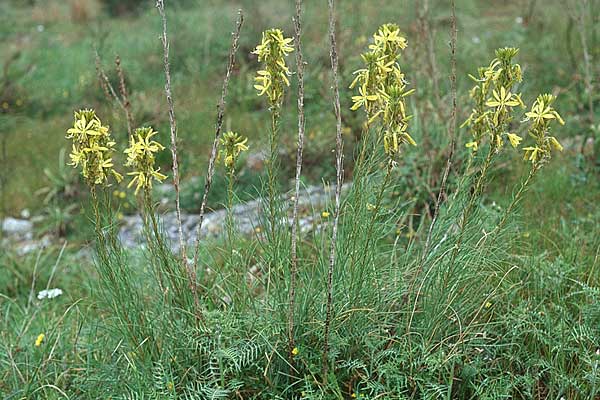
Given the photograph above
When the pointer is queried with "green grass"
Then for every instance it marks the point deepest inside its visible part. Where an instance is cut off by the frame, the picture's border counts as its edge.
(516, 316)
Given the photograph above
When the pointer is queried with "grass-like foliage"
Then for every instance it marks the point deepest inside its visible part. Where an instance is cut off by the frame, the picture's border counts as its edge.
(458, 308)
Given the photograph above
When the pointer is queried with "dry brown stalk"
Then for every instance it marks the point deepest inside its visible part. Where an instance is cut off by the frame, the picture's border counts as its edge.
(218, 128)
(301, 124)
(339, 169)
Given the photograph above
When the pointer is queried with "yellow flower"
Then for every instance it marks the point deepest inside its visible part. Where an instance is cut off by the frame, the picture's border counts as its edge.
(533, 153)
(472, 145)
(503, 98)
(363, 99)
(488, 304)
(541, 111)
(233, 145)
(325, 214)
(555, 143)
(514, 139)
(295, 351)
(39, 340)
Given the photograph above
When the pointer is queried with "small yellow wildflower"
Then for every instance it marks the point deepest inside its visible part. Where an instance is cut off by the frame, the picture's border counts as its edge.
(325, 214)
(39, 340)
(488, 304)
(472, 145)
(295, 351)
(514, 139)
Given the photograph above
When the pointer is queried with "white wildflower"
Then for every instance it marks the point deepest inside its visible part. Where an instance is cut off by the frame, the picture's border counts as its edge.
(49, 294)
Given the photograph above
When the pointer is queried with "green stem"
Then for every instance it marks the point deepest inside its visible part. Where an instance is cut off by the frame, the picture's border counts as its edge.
(272, 191)
(229, 220)
(378, 201)
(477, 190)
(517, 198)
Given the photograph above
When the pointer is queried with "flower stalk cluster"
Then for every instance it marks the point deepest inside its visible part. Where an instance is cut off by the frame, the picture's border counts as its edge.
(92, 149)
(382, 89)
(141, 157)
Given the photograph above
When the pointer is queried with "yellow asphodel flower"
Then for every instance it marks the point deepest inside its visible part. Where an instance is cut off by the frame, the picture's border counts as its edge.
(503, 99)
(39, 340)
(514, 139)
(555, 143)
(363, 98)
(542, 110)
(533, 153)
(472, 145)
(233, 145)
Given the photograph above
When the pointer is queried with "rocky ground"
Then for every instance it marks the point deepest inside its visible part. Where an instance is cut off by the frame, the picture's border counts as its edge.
(20, 233)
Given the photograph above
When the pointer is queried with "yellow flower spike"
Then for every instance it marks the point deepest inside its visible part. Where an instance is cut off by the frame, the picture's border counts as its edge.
(39, 340)
(141, 157)
(274, 77)
(541, 117)
(382, 90)
(233, 145)
(92, 148)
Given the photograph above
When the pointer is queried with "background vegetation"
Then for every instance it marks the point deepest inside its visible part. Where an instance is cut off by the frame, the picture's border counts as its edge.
(538, 338)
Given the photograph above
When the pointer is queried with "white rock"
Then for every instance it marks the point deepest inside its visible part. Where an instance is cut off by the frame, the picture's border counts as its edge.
(16, 226)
